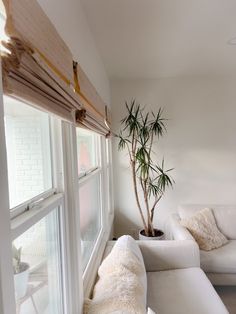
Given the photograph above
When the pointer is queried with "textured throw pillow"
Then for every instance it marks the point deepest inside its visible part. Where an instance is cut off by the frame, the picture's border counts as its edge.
(203, 228)
(122, 282)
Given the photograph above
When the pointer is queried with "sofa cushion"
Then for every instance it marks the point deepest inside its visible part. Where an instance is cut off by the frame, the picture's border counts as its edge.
(221, 260)
(126, 242)
(203, 228)
(225, 216)
(121, 286)
(183, 291)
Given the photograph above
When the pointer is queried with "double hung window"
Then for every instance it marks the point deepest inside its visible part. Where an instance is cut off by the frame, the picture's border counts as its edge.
(49, 274)
(90, 190)
(35, 154)
(36, 209)
(28, 152)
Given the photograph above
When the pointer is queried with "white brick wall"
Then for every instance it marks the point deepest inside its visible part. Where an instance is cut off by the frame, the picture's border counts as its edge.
(26, 148)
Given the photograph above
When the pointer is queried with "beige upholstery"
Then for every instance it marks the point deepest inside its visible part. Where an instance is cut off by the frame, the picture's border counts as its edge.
(222, 279)
(219, 264)
(221, 260)
(203, 228)
(165, 255)
(177, 230)
(225, 216)
(182, 291)
(176, 284)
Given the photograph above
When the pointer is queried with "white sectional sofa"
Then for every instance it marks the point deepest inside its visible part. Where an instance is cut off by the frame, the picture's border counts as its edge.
(219, 264)
(175, 282)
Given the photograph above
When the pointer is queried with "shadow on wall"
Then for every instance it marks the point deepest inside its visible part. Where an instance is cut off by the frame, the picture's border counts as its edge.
(123, 225)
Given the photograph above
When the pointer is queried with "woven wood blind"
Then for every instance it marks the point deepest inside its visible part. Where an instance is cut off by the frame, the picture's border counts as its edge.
(39, 69)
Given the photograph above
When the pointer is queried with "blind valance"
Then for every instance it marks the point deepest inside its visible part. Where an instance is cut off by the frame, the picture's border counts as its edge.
(39, 69)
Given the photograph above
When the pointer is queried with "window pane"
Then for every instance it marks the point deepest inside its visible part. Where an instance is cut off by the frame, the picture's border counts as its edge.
(108, 189)
(28, 151)
(90, 215)
(87, 150)
(3, 35)
(107, 151)
(37, 277)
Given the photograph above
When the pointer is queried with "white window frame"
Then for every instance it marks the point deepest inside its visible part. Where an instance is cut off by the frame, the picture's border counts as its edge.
(7, 294)
(85, 178)
(90, 271)
(26, 220)
(76, 284)
(28, 204)
(33, 210)
(9, 222)
(109, 177)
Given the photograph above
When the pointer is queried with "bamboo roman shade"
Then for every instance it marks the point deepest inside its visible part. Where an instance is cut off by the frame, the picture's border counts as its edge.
(39, 69)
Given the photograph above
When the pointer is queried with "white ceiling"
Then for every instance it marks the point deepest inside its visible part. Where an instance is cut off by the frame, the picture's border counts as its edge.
(164, 38)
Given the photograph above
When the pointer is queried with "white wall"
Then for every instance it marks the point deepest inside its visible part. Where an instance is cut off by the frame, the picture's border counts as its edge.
(200, 144)
(70, 21)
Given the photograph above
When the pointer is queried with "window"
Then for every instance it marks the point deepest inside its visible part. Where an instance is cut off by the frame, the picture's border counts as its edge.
(87, 148)
(90, 214)
(90, 201)
(3, 35)
(38, 285)
(28, 151)
(43, 188)
(35, 163)
(36, 208)
(108, 175)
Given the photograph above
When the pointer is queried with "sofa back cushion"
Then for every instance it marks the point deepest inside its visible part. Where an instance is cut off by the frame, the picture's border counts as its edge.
(203, 228)
(122, 281)
(225, 216)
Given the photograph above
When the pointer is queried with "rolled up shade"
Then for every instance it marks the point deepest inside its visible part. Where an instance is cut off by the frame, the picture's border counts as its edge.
(39, 69)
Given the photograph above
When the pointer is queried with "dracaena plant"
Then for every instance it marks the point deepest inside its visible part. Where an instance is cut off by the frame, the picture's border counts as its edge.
(139, 133)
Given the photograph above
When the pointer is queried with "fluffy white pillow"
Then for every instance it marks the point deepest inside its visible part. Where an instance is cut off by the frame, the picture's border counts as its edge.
(203, 228)
(122, 282)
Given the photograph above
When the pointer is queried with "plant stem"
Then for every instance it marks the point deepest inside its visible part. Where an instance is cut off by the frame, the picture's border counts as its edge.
(136, 195)
(150, 226)
(133, 166)
(154, 205)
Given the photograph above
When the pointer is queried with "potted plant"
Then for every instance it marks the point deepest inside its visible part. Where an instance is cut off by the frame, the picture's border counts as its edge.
(21, 273)
(138, 135)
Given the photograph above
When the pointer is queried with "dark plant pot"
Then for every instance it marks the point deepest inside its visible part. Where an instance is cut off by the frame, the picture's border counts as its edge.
(159, 235)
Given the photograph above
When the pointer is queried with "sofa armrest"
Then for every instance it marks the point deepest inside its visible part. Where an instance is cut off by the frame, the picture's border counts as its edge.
(179, 232)
(164, 255)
